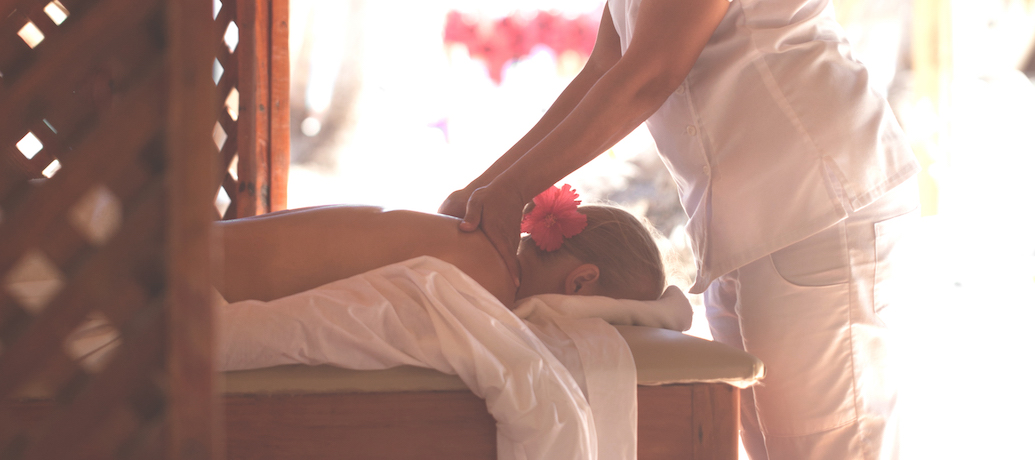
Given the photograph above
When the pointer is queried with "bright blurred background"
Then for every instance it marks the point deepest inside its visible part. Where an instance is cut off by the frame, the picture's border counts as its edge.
(399, 103)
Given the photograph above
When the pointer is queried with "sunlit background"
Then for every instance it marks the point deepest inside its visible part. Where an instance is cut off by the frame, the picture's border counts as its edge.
(399, 103)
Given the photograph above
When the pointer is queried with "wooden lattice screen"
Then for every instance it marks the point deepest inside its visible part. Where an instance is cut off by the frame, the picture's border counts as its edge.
(129, 107)
(253, 132)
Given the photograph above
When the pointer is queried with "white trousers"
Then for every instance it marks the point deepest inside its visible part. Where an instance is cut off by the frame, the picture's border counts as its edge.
(814, 313)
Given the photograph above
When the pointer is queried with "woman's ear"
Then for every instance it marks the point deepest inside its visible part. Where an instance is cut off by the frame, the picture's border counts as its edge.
(582, 280)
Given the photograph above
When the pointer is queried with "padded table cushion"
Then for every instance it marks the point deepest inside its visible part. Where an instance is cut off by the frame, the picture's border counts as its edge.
(662, 357)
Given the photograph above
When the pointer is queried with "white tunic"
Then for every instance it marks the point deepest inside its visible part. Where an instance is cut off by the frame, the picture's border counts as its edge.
(773, 112)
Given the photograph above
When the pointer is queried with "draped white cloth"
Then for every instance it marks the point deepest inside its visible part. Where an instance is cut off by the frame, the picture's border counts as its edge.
(561, 383)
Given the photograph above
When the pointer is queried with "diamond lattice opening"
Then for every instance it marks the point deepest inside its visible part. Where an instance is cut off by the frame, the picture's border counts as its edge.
(51, 169)
(31, 34)
(34, 281)
(233, 99)
(222, 202)
(216, 6)
(232, 169)
(57, 12)
(93, 342)
(30, 145)
(219, 135)
(231, 36)
(217, 71)
(97, 215)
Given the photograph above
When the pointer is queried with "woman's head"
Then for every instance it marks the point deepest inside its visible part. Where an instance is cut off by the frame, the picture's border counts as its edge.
(615, 255)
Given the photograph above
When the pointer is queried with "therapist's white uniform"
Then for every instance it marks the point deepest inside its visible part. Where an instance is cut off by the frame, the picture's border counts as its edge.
(798, 180)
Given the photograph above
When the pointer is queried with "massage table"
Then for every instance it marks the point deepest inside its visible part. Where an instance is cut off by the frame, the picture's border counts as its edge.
(687, 392)
(688, 406)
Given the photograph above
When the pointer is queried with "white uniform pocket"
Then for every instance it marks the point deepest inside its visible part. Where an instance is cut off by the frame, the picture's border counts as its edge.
(819, 260)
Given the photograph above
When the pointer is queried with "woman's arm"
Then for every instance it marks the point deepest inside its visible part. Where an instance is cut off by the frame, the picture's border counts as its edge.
(669, 37)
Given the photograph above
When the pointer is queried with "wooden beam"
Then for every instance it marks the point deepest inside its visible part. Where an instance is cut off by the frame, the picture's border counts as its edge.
(685, 421)
(280, 105)
(194, 424)
(253, 121)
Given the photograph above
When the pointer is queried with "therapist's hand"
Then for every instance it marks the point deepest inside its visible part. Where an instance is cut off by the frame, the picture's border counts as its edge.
(456, 203)
(497, 210)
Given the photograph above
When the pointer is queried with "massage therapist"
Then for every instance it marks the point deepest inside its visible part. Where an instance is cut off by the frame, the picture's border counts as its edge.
(798, 182)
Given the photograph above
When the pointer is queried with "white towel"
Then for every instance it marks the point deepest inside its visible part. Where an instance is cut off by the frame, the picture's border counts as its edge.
(601, 367)
(672, 311)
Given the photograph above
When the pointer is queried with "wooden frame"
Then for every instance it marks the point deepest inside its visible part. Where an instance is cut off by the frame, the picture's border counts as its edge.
(108, 120)
(116, 99)
(687, 421)
(256, 154)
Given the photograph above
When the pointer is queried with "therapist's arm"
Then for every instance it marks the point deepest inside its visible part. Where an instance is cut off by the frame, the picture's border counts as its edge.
(669, 36)
(606, 52)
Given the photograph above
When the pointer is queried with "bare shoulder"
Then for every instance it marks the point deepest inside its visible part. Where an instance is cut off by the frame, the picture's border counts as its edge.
(439, 236)
(471, 252)
(474, 255)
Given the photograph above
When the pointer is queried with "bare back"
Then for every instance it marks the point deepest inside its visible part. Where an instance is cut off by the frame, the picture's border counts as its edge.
(274, 255)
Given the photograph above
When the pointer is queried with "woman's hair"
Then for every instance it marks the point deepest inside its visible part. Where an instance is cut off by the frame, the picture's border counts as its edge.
(623, 248)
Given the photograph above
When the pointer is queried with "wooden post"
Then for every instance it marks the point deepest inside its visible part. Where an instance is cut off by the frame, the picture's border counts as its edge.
(253, 123)
(194, 427)
(264, 123)
(280, 105)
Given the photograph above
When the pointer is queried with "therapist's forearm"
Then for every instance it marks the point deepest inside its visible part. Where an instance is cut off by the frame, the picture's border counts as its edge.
(670, 35)
(606, 52)
(560, 110)
(609, 111)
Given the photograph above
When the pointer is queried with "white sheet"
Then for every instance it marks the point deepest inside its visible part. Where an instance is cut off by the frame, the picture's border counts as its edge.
(425, 312)
(597, 355)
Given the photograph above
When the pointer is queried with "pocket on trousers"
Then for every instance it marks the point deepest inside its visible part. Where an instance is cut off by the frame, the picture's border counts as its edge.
(819, 260)
(895, 257)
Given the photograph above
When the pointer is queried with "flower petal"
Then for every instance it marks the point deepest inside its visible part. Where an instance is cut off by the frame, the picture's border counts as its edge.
(554, 217)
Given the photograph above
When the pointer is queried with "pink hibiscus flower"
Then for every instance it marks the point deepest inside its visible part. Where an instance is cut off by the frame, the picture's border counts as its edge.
(554, 218)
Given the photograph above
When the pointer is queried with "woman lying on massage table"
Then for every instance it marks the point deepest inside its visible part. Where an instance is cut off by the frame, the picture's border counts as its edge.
(274, 255)
(366, 289)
